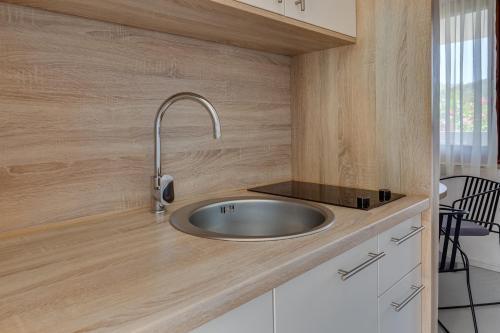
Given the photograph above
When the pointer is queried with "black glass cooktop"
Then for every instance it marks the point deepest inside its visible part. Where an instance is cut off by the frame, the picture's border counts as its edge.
(328, 194)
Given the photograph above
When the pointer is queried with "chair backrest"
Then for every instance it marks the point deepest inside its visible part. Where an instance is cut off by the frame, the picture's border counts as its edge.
(479, 198)
(448, 218)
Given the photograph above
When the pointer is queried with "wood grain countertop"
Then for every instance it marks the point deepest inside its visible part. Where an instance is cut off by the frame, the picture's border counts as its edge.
(132, 272)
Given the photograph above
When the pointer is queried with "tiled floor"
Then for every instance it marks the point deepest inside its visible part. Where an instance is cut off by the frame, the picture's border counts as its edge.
(453, 291)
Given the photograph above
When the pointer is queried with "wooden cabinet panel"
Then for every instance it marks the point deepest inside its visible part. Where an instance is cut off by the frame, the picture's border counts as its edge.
(254, 316)
(319, 301)
(276, 6)
(401, 256)
(336, 15)
(409, 317)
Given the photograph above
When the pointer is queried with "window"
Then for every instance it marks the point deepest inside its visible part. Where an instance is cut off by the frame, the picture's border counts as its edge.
(468, 122)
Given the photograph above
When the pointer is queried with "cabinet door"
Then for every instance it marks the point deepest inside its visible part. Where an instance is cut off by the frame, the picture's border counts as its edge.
(277, 6)
(400, 307)
(254, 316)
(336, 15)
(402, 245)
(320, 301)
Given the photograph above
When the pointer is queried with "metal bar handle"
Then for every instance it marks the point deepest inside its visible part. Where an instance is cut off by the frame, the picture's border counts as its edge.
(374, 257)
(400, 306)
(302, 4)
(415, 231)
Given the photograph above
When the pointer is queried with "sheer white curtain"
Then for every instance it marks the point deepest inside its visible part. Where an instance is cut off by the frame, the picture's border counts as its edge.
(468, 134)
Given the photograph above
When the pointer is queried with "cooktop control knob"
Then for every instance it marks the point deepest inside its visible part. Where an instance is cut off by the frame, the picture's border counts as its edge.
(384, 195)
(363, 202)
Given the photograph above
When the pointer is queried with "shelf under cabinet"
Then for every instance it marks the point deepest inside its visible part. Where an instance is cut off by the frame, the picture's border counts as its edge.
(224, 21)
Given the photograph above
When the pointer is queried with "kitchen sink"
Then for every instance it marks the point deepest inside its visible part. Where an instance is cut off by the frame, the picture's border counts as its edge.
(252, 218)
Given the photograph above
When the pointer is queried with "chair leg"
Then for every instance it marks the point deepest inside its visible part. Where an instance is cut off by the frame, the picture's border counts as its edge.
(471, 301)
(498, 232)
(498, 225)
(476, 305)
(443, 327)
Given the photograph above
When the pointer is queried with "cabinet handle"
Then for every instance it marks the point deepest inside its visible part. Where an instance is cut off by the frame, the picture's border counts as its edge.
(374, 257)
(415, 230)
(280, 1)
(400, 306)
(302, 4)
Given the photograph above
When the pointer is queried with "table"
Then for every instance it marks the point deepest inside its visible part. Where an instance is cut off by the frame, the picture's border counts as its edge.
(443, 191)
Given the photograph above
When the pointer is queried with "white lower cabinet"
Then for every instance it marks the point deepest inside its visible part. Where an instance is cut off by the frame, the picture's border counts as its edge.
(252, 317)
(320, 301)
(401, 244)
(373, 288)
(400, 307)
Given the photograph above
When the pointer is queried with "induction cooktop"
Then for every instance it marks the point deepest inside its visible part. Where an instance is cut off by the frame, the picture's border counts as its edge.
(329, 194)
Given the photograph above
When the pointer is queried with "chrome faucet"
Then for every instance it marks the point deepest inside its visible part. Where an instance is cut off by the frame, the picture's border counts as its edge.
(163, 185)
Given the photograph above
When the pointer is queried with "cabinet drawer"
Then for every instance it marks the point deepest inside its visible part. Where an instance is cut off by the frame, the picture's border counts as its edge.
(400, 307)
(251, 317)
(402, 245)
(320, 301)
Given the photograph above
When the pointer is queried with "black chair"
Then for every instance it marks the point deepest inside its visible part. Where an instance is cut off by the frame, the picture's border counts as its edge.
(473, 214)
(479, 198)
(450, 222)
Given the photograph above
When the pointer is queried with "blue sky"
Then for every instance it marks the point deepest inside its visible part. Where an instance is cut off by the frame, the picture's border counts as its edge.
(468, 64)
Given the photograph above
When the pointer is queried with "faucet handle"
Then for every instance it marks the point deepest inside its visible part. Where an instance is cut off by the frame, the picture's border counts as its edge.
(163, 192)
(168, 194)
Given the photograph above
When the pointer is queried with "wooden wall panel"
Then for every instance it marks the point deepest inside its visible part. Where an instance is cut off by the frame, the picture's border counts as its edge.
(77, 103)
(404, 104)
(333, 110)
(361, 114)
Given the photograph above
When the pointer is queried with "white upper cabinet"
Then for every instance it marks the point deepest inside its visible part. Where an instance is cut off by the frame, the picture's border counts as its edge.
(277, 6)
(336, 15)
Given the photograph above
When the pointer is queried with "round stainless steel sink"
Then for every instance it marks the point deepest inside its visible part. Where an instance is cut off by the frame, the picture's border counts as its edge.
(252, 218)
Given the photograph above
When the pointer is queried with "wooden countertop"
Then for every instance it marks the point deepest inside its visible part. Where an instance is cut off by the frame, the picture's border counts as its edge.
(132, 272)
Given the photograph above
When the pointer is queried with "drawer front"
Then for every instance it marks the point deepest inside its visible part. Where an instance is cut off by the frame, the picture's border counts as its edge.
(402, 245)
(251, 317)
(400, 307)
(320, 301)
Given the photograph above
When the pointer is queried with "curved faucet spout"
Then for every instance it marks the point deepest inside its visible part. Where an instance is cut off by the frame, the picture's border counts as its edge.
(158, 179)
(166, 105)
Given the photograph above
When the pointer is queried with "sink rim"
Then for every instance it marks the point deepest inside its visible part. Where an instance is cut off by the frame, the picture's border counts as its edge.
(180, 219)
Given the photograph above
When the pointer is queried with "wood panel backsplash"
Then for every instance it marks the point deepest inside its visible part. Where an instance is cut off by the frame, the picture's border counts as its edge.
(77, 103)
(362, 113)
